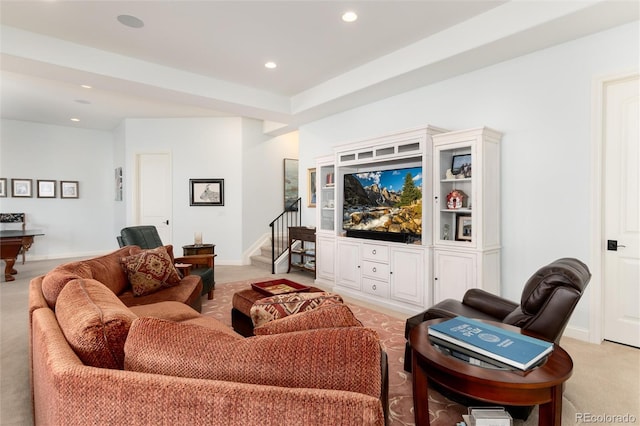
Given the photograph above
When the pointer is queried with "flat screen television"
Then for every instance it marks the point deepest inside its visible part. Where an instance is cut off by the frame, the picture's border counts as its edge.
(383, 204)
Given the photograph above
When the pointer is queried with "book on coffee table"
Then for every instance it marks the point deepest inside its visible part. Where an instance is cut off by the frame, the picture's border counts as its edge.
(504, 346)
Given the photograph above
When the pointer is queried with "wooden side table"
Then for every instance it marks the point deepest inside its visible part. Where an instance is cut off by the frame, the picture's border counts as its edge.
(541, 386)
(307, 259)
(192, 249)
(196, 249)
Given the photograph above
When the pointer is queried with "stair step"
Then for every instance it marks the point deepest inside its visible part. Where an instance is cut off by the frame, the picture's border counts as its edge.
(261, 261)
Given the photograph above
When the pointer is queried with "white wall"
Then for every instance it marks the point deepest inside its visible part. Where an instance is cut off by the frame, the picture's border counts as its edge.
(263, 178)
(542, 104)
(234, 149)
(199, 148)
(72, 227)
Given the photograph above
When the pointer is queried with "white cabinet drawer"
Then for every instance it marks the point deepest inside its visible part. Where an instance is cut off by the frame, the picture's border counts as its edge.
(375, 270)
(375, 287)
(375, 252)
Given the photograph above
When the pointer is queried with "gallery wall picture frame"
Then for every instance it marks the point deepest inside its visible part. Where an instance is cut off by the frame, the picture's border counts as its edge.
(46, 188)
(3, 187)
(206, 192)
(290, 184)
(311, 187)
(463, 228)
(21, 188)
(69, 189)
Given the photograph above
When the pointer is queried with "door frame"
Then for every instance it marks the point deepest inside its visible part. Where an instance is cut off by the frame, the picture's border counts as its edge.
(595, 332)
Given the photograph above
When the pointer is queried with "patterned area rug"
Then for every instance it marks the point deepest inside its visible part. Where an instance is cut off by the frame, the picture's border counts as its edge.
(391, 330)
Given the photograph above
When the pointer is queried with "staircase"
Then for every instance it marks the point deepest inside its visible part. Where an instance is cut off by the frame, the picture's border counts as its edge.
(264, 259)
(272, 254)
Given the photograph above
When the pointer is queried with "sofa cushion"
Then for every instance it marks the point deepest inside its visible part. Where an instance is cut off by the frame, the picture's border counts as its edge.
(325, 316)
(150, 271)
(336, 358)
(105, 269)
(272, 308)
(188, 292)
(94, 322)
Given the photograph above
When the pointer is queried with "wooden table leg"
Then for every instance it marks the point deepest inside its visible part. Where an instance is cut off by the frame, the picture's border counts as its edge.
(8, 270)
(420, 392)
(550, 413)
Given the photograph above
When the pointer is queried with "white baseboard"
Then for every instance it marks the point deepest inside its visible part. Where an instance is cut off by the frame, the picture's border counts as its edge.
(578, 333)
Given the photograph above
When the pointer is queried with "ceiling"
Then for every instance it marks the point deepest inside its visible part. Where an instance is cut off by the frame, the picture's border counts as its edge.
(206, 58)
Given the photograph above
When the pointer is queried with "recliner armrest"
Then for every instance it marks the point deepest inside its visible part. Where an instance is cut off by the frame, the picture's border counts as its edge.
(489, 303)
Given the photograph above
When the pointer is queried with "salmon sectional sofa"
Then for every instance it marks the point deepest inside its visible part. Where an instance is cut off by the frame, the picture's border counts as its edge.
(100, 355)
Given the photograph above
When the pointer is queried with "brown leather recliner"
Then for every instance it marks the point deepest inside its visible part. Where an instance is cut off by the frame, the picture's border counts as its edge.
(548, 300)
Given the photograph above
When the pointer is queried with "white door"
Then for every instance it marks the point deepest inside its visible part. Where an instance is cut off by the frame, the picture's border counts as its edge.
(154, 193)
(622, 211)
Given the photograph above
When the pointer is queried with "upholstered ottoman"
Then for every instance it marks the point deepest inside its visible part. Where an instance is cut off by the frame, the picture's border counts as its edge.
(241, 311)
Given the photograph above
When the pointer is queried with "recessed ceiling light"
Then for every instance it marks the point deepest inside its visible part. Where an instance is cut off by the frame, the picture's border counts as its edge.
(85, 86)
(75, 120)
(130, 21)
(349, 16)
(271, 65)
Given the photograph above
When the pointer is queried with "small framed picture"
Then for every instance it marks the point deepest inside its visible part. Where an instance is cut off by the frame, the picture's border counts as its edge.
(46, 188)
(463, 228)
(461, 165)
(21, 188)
(3, 187)
(69, 189)
(206, 192)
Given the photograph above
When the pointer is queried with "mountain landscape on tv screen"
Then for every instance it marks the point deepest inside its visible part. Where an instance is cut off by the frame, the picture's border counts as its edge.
(384, 201)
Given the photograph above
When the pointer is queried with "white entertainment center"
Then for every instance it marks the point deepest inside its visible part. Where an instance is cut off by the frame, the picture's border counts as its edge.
(431, 249)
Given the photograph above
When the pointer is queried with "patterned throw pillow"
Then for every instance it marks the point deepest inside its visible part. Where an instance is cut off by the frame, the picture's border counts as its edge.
(150, 271)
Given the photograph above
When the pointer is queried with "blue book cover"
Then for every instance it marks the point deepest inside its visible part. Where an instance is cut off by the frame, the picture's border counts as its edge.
(511, 348)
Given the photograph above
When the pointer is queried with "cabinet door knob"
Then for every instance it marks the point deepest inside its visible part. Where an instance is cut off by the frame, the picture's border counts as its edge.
(373, 269)
(373, 251)
(373, 287)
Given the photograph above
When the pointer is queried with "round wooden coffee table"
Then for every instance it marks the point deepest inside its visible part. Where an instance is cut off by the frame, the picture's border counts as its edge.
(541, 386)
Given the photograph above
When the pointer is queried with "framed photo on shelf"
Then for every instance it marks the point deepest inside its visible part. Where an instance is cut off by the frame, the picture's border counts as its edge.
(3, 187)
(461, 165)
(46, 188)
(311, 187)
(21, 188)
(206, 192)
(69, 189)
(463, 228)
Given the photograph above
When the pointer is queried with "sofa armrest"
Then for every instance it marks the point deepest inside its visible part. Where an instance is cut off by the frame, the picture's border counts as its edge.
(337, 358)
(489, 303)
